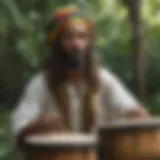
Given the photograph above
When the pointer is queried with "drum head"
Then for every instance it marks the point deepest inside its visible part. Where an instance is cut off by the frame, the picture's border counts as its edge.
(125, 124)
(58, 141)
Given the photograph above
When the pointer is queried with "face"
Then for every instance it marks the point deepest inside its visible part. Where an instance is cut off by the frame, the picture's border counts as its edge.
(75, 40)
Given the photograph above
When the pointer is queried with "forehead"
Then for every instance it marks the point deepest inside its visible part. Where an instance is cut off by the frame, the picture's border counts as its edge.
(76, 28)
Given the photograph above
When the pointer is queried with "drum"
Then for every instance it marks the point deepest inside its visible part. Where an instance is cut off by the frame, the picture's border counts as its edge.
(131, 139)
(61, 147)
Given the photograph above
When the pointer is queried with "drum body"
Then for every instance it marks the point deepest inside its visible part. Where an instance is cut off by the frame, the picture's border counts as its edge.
(61, 147)
(131, 140)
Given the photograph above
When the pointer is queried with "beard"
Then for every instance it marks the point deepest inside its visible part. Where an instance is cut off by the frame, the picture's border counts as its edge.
(75, 59)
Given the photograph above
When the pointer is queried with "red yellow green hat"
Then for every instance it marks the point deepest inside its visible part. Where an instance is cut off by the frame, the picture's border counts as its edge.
(63, 16)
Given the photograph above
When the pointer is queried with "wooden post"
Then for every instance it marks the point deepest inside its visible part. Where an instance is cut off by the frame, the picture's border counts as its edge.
(134, 8)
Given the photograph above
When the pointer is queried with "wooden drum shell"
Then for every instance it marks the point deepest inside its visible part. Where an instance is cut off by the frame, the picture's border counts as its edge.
(61, 152)
(131, 143)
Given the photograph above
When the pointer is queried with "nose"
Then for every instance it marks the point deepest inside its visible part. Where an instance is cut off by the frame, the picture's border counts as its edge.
(76, 42)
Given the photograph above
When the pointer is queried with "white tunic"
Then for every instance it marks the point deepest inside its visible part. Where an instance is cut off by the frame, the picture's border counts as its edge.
(112, 101)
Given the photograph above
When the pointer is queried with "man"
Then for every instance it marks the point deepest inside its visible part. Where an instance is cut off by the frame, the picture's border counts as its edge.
(72, 92)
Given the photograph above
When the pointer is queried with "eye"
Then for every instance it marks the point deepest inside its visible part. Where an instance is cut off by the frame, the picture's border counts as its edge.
(67, 36)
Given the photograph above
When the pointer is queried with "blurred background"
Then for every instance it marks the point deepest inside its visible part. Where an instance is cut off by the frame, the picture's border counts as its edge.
(128, 37)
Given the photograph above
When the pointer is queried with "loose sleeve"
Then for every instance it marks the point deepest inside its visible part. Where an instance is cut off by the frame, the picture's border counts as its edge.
(116, 98)
(29, 106)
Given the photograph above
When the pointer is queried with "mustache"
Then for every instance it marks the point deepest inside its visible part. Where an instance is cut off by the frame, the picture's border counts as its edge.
(77, 50)
(77, 61)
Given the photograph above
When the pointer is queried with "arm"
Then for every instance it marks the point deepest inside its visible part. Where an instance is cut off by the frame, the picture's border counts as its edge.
(118, 100)
(28, 116)
(28, 108)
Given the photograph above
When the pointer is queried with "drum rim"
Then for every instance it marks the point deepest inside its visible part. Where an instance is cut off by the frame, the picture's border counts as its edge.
(129, 128)
(87, 141)
(125, 126)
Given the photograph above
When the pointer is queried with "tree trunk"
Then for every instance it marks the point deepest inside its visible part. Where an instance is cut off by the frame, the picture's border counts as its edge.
(134, 7)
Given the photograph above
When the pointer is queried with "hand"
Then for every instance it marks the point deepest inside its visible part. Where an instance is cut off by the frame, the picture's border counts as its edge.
(139, 112)
(48, 123)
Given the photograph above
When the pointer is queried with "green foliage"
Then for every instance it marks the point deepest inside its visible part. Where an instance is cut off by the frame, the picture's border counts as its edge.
(22, 34)
(5, 140)
(23, 49)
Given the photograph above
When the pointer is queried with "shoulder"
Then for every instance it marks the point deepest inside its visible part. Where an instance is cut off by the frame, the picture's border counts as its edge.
(107, 77)
(37, 79)
(36, 83)
(110, 82)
